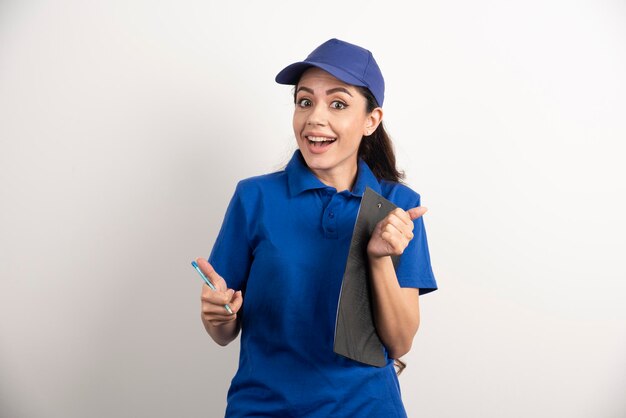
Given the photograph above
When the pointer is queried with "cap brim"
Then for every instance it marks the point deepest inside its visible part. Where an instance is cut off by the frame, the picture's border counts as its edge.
(291, 74)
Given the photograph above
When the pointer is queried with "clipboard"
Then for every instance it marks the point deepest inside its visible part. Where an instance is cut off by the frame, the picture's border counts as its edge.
(355, 332)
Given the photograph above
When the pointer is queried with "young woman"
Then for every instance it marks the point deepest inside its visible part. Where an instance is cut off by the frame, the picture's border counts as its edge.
(280, 256)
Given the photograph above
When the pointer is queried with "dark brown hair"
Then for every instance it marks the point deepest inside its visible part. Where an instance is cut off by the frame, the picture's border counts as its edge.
(377, 149)
(400, 365)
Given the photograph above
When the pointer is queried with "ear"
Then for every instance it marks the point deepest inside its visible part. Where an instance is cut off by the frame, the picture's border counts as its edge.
(373, 119)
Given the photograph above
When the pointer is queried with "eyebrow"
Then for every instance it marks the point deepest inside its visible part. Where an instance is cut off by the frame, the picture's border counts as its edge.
(330, 91)
(337, 90)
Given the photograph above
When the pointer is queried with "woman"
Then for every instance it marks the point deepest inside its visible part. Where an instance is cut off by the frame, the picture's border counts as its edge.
(280, 256)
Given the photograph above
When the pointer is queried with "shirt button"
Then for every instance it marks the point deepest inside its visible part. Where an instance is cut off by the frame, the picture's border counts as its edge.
(331, 215)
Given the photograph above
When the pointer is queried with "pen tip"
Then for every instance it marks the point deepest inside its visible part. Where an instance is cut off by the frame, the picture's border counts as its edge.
(193, 263)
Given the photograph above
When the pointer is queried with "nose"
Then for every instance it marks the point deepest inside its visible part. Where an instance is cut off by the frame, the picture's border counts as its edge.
(317, 116)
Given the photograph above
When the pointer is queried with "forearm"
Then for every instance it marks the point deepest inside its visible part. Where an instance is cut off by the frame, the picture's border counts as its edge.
(396, 309)
(223, 333)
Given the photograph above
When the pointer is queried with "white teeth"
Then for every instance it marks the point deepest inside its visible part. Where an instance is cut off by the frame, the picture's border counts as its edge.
(319, 138)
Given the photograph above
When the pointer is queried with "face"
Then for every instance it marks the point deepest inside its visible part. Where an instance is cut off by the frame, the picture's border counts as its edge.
(329, 121)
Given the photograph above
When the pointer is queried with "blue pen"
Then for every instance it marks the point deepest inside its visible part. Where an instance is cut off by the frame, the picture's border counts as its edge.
(208, 282)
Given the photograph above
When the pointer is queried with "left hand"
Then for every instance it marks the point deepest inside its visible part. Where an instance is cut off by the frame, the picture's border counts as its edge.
(392, 235)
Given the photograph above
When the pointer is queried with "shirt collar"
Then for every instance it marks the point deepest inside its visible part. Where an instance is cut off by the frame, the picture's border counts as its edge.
(301, 178)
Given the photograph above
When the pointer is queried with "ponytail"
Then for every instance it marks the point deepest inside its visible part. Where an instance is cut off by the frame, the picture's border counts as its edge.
(377, 149)
(400, 365)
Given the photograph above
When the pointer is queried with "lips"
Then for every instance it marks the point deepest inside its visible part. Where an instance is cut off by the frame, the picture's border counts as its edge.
(318, 144)
(320, 139)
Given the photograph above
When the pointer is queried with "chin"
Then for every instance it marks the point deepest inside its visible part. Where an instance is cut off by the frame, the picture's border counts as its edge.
(320, 162)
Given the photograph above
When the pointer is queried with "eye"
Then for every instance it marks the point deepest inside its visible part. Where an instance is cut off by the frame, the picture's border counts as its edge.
(304, 103)
(339, 105)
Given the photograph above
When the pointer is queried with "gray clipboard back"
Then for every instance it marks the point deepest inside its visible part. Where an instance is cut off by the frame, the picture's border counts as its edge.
(355, 332)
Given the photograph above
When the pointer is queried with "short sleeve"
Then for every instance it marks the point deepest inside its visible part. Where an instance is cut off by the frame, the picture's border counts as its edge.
(414, 268)
(231, 255)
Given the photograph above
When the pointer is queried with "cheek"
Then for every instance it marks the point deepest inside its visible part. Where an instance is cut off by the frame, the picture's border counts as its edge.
(353, 128)
(296, 123)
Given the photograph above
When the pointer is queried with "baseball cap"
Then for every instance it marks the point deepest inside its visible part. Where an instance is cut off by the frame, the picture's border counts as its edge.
(347, 62)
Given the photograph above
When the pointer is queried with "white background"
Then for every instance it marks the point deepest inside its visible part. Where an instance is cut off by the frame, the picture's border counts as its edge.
(125, 125)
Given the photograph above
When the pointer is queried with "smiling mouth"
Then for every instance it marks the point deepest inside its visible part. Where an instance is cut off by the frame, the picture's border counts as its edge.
(320, 140)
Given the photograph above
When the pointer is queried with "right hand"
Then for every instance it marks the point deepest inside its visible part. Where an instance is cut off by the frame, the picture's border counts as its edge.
(213, 301)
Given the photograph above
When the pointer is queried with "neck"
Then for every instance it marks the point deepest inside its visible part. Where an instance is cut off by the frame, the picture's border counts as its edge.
(341, 178)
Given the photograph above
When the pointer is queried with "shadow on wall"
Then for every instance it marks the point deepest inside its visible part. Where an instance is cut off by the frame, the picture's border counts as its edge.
(152, 356)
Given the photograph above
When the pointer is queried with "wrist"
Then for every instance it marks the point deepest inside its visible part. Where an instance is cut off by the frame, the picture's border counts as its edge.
(378, 260)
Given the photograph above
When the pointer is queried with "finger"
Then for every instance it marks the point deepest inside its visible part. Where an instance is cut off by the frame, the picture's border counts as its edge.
(401, 215)
(397, 232)
(236, 302)
(396, 224)
(393, 246)
(212, 312)
(416, 212)
(218, 322)
(217, 318)
(216, 297)
(215, 312)
(211, 274)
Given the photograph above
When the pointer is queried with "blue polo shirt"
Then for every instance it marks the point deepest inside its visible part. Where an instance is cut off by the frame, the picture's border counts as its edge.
(284, 242)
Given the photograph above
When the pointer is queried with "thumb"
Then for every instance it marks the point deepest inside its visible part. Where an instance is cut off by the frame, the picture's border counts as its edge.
(211, 274)
(416, 212)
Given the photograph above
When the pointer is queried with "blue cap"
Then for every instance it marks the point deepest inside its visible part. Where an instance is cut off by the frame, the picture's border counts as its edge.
(346, 62)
